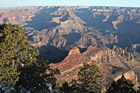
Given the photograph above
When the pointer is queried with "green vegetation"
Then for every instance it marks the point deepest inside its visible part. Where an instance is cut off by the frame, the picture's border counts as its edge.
(21, 70)
(122, 85)
(37, 77)
(15, 53)
(90, 80)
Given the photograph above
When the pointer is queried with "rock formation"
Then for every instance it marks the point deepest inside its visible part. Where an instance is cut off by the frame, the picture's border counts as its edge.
(131, 76)
(80, 26)
(111, 63)
(58, 28)
(74, 51)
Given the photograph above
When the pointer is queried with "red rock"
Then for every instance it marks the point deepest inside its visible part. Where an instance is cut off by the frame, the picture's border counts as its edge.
(74, 51)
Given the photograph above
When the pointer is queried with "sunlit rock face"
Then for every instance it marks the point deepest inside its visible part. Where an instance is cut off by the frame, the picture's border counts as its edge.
(63, 27)
(54, 30)
(112, 63)
(74, 51)
(131, 76)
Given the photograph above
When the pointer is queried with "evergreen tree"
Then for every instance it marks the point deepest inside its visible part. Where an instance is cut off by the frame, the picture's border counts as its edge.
(38, 77)
(15, 53)
(122, 85)
(90, 80)
(65, 88)
(138, 91)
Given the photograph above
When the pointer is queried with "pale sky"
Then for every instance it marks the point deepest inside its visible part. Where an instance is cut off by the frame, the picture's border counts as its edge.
(122, 3)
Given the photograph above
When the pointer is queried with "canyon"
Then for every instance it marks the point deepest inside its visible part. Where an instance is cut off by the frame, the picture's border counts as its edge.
(70, 36)
(63, 27)
(112, 62)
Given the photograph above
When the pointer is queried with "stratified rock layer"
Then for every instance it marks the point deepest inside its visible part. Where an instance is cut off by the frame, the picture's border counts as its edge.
(112, 63)
(131, 76)
(63, 27)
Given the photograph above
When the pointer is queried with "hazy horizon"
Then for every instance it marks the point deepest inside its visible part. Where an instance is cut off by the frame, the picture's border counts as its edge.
(109, 3)
(64, 6)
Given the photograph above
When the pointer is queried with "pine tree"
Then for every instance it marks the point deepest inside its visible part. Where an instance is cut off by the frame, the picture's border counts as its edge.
(122, 85)
(65, 87)
(138, 91)
(90, 80)
(15, 53)
(38, 77)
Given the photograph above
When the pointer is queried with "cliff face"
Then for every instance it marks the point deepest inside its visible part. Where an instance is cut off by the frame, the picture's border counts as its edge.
(18, 16)
(70, 65)
(112, 63)
(74, 51)
(131, 76)
(136, 47)
(63, 27)
(53, 29)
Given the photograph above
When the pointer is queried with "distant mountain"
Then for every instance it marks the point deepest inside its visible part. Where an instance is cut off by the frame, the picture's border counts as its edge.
(96, 26)
(94, 31)
(64, 27)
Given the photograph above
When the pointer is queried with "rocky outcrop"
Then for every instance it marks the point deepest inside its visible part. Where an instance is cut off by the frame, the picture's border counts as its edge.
(110, 61)
(94, 53)
(119, 20)
(70, 65)
(19, 15)
(136, 47)
(96, 26)
(74, 51)
(61, 27)
(131, 76)
(123, 53)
